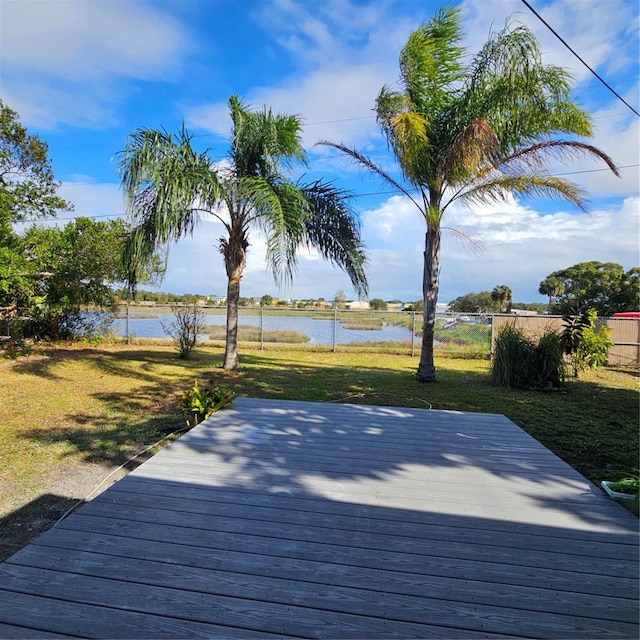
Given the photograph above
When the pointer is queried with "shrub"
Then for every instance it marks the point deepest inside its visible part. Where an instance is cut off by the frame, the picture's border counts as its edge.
(187, 324)
(521, 363)
(198, 404)
(586, 346)
(548, 361)
(511, 363)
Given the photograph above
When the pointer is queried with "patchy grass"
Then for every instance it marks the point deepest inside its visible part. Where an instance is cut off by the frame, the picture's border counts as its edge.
(69, 407)
(247, 333)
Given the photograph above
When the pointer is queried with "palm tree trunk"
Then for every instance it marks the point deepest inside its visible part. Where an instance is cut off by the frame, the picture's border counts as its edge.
(430, 283)
(234, 250)
(231, 343)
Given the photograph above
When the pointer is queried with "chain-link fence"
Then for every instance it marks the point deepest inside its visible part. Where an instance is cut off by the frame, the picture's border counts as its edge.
(467, 335)
(339, 329)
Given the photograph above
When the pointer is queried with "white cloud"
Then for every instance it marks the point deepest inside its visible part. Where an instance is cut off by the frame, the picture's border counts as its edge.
(95, 200)
(342, 53)
(520, 246)
(61, 59)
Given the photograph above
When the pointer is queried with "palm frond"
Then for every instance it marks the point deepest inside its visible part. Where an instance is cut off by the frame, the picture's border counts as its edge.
(537, 156)
(368, 164)
(165, 183)
(430, 64)
(521, 97)
(465, 241)
(264, 143)
(498, 189)
(333, 228)
(474, 147)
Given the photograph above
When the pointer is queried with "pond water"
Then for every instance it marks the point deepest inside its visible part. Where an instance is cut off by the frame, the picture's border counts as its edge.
(319, 331)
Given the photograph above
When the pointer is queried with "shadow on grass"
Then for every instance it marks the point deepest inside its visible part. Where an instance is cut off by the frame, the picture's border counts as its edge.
(129, 423)
(590, 426)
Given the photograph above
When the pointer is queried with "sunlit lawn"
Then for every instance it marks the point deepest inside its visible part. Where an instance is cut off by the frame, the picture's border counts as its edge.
(103, 404)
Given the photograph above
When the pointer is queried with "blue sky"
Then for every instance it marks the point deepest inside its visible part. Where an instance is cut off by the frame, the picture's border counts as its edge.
(83, 74)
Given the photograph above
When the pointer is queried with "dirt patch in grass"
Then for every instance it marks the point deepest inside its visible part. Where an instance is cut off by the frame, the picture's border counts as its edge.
(66, 490)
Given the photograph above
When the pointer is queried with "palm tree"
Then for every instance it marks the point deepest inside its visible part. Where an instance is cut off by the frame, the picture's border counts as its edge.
(168, 186)
(552, 287)
(474, 132)
(502, 294)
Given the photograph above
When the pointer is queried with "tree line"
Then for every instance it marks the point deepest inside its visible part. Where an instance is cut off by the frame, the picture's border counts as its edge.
(603, 286)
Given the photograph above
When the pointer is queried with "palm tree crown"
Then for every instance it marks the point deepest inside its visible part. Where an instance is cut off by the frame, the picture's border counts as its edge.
(168, 186)
(474, 132)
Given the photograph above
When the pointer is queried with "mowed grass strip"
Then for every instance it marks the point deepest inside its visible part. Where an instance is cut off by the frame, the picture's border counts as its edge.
(79, 405)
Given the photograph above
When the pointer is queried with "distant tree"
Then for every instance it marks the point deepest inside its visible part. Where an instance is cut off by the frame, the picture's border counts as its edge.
(472, 129)
(378, 304)
(502, 294)
(245, 302)
(340, 299)
(602, 286)
(266, 300)
(627, 296)
(168, 186)
(552, 287)
(482, 302)
(418, 305)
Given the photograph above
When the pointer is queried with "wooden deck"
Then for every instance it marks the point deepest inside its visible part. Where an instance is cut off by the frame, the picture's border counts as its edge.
(292, 519)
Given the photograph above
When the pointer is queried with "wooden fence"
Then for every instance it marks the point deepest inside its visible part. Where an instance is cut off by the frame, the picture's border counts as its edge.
(625, 334)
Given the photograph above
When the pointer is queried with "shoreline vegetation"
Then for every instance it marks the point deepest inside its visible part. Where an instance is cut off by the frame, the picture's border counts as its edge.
(252, 334)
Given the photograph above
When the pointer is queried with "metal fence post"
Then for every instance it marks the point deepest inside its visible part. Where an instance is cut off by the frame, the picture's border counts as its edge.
(261, 328)
(127, 326)
(413, 333)
(335, 328)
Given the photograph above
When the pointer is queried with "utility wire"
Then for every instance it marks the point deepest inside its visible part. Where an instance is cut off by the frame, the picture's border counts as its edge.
(357, 195)
(555, 33)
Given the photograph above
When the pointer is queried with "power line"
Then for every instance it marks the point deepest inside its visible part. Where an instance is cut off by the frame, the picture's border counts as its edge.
(567, 173)
(306, 124)
(357, 195)
(608, 86)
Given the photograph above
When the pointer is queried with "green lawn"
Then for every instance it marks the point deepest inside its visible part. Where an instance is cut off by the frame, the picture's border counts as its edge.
(100, 405)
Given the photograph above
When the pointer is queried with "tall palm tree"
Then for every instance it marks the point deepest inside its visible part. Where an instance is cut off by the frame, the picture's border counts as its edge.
(168, 186)
(552, 287)
(474, 132)
(503, 294)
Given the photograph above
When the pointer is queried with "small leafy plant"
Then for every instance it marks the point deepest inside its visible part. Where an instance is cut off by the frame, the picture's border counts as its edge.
(199, 403)
(626, 485)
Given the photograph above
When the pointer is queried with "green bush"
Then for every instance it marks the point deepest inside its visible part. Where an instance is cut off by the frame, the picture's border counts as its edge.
(521, 363)
(586, 346)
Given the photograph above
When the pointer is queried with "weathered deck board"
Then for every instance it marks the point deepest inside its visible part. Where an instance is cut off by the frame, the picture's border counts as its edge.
(285, 519)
